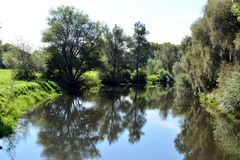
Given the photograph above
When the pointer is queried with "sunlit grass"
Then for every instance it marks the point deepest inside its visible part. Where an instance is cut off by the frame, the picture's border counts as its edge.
(17, 97)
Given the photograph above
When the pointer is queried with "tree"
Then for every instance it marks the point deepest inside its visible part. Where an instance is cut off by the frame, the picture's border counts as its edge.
(213, 44)
(74, 43)
(116, 48)
(186, 44)
(166, 56)
(40, 59)
(141, 48)
(230, 100)
(1, 54)
(20, 60)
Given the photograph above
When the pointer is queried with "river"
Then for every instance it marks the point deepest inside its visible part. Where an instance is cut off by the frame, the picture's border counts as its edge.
(123, 124)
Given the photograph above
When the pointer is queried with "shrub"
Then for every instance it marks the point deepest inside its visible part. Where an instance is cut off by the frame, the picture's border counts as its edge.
(165, 78)
(153, 79)
(90, 79)
(142, 77)
(231, 96)
(123, 77)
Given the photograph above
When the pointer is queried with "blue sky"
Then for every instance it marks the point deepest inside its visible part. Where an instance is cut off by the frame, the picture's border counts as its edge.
(167, 20)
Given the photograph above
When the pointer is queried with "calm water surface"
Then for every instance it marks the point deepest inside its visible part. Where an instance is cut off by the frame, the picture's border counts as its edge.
(123, 124)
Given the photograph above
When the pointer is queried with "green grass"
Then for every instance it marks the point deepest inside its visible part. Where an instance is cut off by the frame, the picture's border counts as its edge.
(18, 97)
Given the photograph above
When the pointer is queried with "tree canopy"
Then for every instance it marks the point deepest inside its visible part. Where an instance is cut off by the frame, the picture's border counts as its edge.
(74, 43)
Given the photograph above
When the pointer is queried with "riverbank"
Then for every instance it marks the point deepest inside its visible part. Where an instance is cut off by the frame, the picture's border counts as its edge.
(18, 97)
(212, 106)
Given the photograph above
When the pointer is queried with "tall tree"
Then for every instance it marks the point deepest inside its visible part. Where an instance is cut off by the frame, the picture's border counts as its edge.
(116, 48)
(74, 42)
(141, 47)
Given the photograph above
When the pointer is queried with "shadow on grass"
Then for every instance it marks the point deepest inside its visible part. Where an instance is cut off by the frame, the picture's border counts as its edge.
(5, 130)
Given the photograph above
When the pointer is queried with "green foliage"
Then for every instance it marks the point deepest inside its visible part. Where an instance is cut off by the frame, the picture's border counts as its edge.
(226, 133)
(17, 97)
(231, 99)
(212, 43)
(40, 59)
(152, 67)
(166, 55)
(122, 77)
(139, 77)
(182, 81)
(91, 79)
(166, 78)
(1, 55)
(19, 59)
(153, 79)
(236, 9)
(116, 45)
(208, 101)
(141, 50)
(74, 45)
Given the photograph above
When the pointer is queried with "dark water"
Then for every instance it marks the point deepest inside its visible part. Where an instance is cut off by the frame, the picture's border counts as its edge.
(124, 124)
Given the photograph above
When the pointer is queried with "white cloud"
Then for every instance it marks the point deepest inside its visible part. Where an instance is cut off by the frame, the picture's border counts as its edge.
(169, 123)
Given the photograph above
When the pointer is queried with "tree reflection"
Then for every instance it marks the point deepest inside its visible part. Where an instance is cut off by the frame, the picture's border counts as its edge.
(134, 118)
(112, 107)
(72, 126)
(70, 129)
(197, 139)
(11, 141)
(227, 136)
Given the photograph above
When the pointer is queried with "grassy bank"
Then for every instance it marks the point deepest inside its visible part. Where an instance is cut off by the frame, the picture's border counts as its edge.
(18, 97)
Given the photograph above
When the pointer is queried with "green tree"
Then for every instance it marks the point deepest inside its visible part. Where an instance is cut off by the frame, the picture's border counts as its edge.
(230, 99)
(74, 43)
(116, 48)
(166, 56)
(141, 48)
(186, 44)
(212, 45)
(236, 8)
(20, 60)
(40, 59)
(1, 54)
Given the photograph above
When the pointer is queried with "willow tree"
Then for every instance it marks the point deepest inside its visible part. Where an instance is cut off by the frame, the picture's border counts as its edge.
(116, 48)
(74, 43)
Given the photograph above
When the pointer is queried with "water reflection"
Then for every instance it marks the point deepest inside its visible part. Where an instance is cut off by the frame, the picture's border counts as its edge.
(76, 125)
(68, 126)
(202, 135)
(72, 127)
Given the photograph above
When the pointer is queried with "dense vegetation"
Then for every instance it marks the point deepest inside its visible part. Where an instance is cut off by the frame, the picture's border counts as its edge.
(210, 61)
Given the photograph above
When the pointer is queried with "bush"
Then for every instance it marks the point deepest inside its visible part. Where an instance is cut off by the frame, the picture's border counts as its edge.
(231, 96)
(153, 79)
(142, 77)
(166, 78)
(123, 77)
(22, 63)
(90, 79)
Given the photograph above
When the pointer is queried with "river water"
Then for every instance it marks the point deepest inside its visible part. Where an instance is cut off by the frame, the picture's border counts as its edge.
(123, 124)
